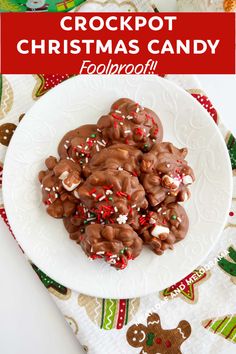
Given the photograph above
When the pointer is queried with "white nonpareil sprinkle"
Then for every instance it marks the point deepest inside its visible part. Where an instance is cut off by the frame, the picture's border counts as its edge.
(71, 187)
(160, 209)
(104, 142)
(111, 261)
(47, 189)
(90, 219)
(117, 111)
(64, 175)
(121, 123)
(171, 182)
(185, 198)
(152, 221)
(79, 146)
(129, 117)
(120, 169)
(99, 142)
(127, 131)
(97, 148)
(66, 146)
(68, 141)
(86, 159)
(138, 209)
(99, 130)
(102, 198)
(86, 147)
(133, 206)
(108, 192)
(100, 253)
(116, 210)
(179, 220)
(76, 194)
(187, 180)
(94, 195)
(158, 230)
(122, 219)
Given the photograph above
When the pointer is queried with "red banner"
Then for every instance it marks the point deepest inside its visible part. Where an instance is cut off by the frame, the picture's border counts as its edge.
(118, 43)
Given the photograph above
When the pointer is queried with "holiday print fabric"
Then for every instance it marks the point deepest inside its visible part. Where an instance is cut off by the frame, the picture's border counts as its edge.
(187, 288)
(224, 326)
(36, 6)
(195, 306)
(154, 339)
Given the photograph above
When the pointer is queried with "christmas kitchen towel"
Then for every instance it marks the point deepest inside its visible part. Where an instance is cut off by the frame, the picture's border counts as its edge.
(196, 315)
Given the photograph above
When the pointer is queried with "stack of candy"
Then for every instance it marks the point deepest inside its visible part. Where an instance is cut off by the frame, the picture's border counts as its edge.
(118, 187)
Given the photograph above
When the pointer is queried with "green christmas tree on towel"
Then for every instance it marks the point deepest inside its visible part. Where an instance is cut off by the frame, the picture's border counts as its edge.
(231, 145)
(229, 265)
(224, 326)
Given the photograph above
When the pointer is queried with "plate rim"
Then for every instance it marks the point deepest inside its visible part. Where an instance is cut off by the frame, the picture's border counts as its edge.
(131, 292)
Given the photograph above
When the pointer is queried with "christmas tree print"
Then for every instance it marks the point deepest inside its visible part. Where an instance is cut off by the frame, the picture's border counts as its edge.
(55, 288)
(229, 265)
(231, 145)
(223, 326)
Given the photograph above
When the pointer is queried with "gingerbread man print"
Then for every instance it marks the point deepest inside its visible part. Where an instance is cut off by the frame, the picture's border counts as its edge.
(153, 339)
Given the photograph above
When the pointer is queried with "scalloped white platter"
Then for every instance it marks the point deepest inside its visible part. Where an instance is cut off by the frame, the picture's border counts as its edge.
(81, 100)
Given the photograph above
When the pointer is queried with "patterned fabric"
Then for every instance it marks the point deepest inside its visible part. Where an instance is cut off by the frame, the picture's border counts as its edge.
(105, 323)
(38, 5)
(200, 317)
(207, 5)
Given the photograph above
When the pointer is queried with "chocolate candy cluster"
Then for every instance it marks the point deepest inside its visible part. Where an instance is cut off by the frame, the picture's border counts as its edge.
(117, 186)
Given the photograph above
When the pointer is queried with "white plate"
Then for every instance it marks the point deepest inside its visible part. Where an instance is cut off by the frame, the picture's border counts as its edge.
(81, 100)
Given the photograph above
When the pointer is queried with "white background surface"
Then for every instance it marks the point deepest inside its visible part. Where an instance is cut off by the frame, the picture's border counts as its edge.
(29, 318)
